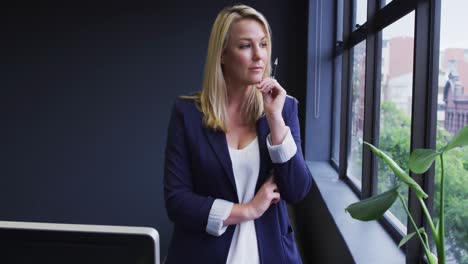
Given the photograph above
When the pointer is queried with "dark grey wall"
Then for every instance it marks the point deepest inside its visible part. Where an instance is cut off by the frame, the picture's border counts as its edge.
(320, 80)
(320, 237)
(85, 97)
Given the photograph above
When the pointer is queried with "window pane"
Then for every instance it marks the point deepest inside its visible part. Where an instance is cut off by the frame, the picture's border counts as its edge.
(452, 115)
(336, 111)
(335, 149)
(361, 11)
(354, 170)
(395, 104)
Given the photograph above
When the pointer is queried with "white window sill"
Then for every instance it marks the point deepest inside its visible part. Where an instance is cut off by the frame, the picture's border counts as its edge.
(368, 242)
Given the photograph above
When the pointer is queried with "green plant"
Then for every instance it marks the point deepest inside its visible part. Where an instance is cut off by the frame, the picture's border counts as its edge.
(419, 162)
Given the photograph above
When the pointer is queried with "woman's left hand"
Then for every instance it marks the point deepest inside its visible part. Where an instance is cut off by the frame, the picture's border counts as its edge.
(273, 96)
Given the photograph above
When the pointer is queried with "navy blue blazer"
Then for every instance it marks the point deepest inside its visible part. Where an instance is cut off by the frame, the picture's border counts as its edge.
(198, 170)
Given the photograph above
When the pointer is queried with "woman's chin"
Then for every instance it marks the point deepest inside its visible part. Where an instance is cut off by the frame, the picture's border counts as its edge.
(254, 80)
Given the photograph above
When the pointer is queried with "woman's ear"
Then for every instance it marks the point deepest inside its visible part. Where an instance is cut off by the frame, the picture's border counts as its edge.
(223, 55)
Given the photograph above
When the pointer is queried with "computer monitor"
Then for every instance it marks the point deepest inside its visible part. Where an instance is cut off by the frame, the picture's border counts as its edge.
(28, 242)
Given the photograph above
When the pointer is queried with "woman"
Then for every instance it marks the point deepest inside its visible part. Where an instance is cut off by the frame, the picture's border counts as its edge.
(233, 154)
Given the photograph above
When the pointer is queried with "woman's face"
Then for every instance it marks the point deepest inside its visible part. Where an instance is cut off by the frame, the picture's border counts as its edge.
(245, 56)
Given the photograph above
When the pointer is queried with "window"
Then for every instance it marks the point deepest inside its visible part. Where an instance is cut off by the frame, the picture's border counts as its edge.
(361, 12)
(335, 148)
(354, 170)
(390, 100)
(396, 92)
(453, 77)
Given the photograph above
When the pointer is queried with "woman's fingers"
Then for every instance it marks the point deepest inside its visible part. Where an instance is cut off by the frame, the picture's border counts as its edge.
(276, 198)
(272, 190)
(270, 179)
(274, 187)
(270, 183)
(266, 196)
(273, 94)
(267, 84)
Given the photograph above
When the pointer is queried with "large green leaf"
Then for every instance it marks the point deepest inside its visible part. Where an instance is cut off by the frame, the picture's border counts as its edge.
(374, 207)
(409, 236)
(459, 140)
(421, 160)
(398, 171)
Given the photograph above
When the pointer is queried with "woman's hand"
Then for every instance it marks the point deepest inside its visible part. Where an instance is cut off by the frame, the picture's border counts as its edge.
(273, 101)
(267, 195)
(273, 96)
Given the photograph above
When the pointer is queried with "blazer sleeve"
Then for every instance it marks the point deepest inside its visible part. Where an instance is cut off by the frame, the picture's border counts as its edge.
(293, 177)
(184, 207)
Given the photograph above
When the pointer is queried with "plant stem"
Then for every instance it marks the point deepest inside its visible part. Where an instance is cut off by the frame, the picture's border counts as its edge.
(441, 240)
(423, 243)
(435, 234)
(426, 238)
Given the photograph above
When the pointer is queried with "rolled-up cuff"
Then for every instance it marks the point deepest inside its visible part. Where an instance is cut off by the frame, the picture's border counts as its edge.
(284, 151)
(219, 212)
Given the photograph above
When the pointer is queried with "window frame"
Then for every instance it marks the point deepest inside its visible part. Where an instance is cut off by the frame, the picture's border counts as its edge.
(424, 101)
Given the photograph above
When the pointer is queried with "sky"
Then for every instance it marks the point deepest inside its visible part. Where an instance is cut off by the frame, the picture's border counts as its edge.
(454, 18)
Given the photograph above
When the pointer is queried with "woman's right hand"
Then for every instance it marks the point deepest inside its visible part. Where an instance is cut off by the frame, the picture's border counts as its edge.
(268, 194)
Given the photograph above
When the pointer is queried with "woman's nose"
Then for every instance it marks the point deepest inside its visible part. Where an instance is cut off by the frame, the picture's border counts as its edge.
(257, 54)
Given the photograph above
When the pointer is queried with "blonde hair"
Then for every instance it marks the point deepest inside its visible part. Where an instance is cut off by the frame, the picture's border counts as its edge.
(212, 100)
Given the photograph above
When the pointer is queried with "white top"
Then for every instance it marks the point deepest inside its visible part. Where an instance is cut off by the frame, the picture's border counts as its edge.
(246, 167)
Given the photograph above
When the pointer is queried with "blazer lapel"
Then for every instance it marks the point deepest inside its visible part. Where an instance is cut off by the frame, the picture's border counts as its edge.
(217, 140)
(262, 133)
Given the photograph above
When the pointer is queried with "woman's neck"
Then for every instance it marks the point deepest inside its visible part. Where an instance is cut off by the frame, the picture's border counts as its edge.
(236, 96)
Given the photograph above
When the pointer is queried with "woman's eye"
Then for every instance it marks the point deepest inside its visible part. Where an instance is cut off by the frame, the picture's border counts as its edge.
(244, 46)
(263, 45)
